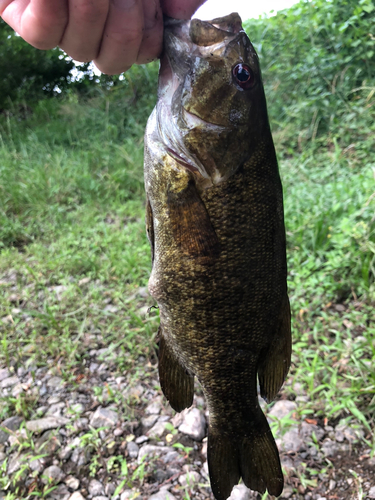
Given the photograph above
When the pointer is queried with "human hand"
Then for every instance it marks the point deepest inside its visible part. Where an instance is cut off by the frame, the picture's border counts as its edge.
(113, 33)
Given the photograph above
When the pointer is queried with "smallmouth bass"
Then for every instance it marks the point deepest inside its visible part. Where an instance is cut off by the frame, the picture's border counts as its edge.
(214, 219)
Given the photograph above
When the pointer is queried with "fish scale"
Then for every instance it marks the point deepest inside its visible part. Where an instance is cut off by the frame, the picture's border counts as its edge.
(214, 219)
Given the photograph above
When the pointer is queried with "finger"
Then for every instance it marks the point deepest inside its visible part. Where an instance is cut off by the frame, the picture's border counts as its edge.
(152, 41)
(180, 9)
(40, 22)
(122, 36)
(82, 36)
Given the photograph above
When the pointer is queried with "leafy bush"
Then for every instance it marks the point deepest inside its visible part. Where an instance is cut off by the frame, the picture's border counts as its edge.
(27, 72)
(318, 61)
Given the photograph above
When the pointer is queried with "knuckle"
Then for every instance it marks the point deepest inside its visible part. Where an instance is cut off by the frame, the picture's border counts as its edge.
(91, 12)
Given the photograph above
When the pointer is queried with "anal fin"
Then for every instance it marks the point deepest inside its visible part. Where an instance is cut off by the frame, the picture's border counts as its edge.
(275, 365)
(176, 383)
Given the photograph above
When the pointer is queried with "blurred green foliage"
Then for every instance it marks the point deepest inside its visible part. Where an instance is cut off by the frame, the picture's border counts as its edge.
(28, 73)
(318, 60)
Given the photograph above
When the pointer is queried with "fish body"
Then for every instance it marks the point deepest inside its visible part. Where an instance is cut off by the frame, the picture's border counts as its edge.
(214, 219)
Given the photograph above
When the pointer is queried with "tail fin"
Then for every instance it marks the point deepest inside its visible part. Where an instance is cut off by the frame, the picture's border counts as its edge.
(253, 457)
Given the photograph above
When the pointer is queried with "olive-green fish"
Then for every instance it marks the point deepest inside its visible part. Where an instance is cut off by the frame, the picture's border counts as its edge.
(215, 224)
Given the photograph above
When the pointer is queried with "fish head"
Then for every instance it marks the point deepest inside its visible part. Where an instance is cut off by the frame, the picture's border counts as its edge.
(211, 109)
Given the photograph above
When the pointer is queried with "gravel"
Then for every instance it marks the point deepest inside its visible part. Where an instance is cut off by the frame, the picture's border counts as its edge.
(88, 443)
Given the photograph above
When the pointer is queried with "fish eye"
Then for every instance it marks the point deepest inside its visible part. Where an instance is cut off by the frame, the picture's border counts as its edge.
(243, 76)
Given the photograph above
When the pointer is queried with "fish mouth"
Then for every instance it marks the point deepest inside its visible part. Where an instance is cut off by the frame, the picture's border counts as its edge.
(194, 121)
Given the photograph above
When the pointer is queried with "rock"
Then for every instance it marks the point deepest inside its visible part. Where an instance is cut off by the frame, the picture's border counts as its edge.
(171, 456)
(11, 423)
(9, 382)
(55, 382)
(287, 492)
(15, 463)
(52, 475)
(61, 492)
(56, 409)
(72, 482)
(153, 451)
(110, 488)
(17, 390)
(290, 441)
(37, 464)
(344, 431)
(42, 424)
(128, 495)
(103, 417)
(77, 408)
(93, 367)
(160, 475)
(81, 457)
(4, 373)
(141, 439)
(329, 447)
(134, 392)
(96, 488)
(162, 494)
(157, 430)
(194, 424)
(76, 496)
(153, 409)
(149, 421)
(189, 479)
(47, 443)
(53, 400)
(282, 409)
(371, 493)
(240, 492)
(307, 430)
(133, 449)
(332, 485)
(65, 453)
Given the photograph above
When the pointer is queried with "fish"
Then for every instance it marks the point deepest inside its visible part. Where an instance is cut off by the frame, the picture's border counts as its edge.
(215, 223)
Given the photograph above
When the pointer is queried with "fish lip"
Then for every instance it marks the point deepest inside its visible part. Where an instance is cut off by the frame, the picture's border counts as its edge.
(192, 121)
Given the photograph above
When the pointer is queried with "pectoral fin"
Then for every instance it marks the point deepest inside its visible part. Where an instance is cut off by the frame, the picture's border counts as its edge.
(191, 224)
(275, 366)
(176, 383)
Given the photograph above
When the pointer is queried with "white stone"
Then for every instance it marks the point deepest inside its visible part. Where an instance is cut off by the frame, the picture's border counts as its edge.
(76, 496)
(282, 408)
(240, 492)
(194, 424)
(96, 488)
(72, 482)
(43, 424)
(52, 474)
(103, 417)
